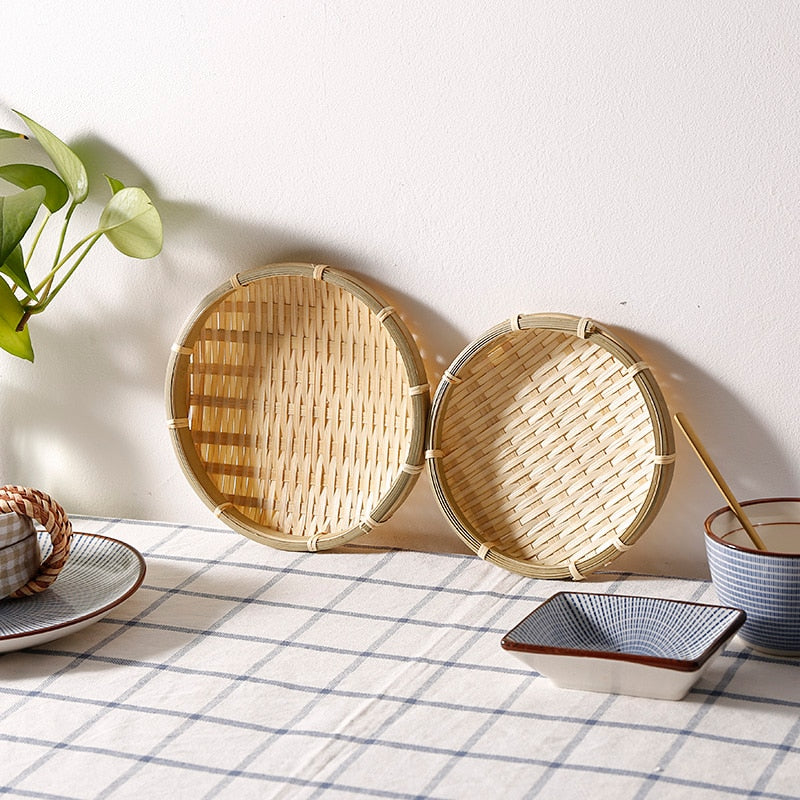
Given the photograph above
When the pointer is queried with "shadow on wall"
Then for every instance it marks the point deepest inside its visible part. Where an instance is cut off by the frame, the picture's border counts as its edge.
(254, 246)
(753, 463)
(64, 432)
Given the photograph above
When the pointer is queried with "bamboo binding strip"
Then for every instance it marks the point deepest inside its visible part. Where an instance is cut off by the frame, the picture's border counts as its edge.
(550, 446)
(297, 405)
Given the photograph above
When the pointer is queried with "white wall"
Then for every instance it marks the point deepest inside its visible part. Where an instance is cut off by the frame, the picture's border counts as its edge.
(636, 163)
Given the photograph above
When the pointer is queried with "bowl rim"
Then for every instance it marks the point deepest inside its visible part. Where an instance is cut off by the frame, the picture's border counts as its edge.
(675, 664)
(744, 548)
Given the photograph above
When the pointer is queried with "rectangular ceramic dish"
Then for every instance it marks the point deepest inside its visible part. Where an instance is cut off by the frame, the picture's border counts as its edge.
(622, 644)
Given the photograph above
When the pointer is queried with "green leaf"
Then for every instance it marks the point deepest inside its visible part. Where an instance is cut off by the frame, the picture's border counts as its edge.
(69, 166)
(11, 135)
(132, 224)
(17, 212)
(27, 175)
(18, 343)
(114, 184)
(15, 269)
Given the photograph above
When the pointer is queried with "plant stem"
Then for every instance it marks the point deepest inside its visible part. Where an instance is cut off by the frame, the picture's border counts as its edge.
(67, 217)
(24, 321)
(57, 262)
(90, 242)
(48, 279)
(36, 239)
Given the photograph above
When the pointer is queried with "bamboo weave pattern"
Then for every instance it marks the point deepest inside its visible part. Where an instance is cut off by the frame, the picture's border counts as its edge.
(546, 455)
(299, 406)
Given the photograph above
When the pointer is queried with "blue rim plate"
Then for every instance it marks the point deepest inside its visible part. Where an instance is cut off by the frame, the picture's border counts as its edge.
(100, 574)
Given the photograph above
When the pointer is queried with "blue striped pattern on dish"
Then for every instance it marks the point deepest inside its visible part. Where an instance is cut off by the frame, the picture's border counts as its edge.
(240, 671)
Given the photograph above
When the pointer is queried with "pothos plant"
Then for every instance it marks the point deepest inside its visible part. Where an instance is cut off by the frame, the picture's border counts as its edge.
(129, 221)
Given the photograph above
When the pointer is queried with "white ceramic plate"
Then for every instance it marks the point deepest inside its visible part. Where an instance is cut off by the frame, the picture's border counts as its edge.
(100, 574)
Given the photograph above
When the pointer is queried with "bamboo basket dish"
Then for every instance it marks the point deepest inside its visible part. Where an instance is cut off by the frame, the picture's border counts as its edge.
(297, 405)
(550, 446)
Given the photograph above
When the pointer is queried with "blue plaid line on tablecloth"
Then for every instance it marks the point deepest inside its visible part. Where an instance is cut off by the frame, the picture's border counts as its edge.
(240, 671)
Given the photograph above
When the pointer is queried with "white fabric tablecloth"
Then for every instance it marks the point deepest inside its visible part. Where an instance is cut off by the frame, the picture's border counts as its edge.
(238, 671)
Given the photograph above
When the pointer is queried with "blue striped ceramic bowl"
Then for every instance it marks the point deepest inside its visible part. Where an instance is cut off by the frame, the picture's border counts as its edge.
(622, 644)
(766, 584)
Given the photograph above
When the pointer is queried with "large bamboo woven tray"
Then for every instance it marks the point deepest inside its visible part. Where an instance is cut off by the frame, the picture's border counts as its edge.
(298, 405)
(550, 446)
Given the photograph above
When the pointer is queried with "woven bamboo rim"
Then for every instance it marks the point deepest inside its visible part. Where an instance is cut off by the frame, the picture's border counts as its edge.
(297, 405)
(550, 446)
(41, 508)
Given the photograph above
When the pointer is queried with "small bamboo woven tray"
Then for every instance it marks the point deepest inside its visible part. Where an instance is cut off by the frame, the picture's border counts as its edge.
(298, 406)
(550, 446)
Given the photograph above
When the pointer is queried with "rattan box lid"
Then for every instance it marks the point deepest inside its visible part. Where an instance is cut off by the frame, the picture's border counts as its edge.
(297, 405)
(550, 446)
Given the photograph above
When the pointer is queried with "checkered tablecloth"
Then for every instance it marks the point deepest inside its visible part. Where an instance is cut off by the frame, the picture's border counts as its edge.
(238, 671)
